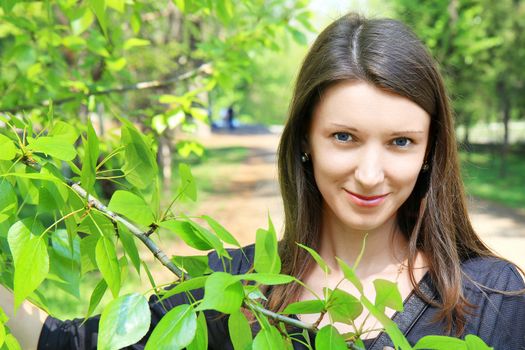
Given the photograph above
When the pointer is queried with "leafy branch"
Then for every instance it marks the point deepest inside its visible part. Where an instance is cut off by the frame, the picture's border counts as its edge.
(205, 68)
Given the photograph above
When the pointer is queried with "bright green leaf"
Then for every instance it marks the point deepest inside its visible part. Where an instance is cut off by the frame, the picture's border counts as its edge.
(342, 306)
(8, 200)
(80, 24)
(135, 42)
(350, 275)
(107, 262)
(128, 242)
(99, 9)
(200, 342)
(8, 148)
(268, 338)
(116, 4)
(475, 343)
(320, 261)
(54, 146)
(267, 258)
(175, 330)
(305, 307)
(96, 297)
(269, 279)
(195, 265)
(387, 294)
(328, 338)
(133, 206)
(240, 331)
(187, 183)
(12, 343)
(124, 322)
(221, 232)
(187, 233)
(191, 284)
(438, 342)
(31, 268)
(223, 293)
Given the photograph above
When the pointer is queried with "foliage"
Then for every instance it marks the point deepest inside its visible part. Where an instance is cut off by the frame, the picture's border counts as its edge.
(74, 233)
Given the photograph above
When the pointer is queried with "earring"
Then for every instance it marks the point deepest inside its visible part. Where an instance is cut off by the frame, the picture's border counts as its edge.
(425, 166)
(305, 157)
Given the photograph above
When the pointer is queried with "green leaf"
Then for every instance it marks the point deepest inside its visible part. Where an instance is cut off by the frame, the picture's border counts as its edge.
(140, 164)
(2, 333)
(266, 253)
(240, 331)
(180, 4)
(54, 146)
(322, 264)
(438, 342)
(221, 232)
(116, 4)
(175, 330)
(31, 268)
(475, 343)
(96, 297)
(107, 262)
(8, 148)
(191, 284)
(209, 237)
(91, 149)
(298, 36)
(268, 338)
(268, 279)
(387, 295)
(200, 342)
(8, 200)
(390, 326)
(12, 343)
(123, 322)
(80, 24)
(305, 307)
(64, 131)
(223, 293)
(343, 307)
(224, 10)
(128, 242)
(195, 265)
(188, 187)
(350, 275)
(328, 338)
(136, 42)
(132, 206)
(186, 232)
(99, 9)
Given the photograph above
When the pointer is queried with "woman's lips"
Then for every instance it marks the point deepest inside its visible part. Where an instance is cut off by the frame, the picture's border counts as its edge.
(366, 201)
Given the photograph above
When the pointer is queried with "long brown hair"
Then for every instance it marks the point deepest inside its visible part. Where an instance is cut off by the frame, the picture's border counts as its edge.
(434, 219)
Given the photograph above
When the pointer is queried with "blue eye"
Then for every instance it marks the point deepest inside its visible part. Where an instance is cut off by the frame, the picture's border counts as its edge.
(401, 142)
(342, 136)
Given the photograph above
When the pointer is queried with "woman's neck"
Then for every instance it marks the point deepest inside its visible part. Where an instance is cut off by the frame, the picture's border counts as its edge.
(385, 247)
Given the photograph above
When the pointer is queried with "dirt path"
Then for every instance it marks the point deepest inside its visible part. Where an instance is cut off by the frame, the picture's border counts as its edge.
(251, 193)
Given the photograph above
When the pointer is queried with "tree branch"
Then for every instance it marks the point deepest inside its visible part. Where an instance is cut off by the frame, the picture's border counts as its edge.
(163, 258)
(153, 84)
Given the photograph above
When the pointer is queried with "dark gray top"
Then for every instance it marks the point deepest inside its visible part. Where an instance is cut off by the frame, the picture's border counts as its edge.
(498, 319)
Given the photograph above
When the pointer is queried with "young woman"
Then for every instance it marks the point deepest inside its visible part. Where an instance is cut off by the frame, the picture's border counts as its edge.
(368, 149)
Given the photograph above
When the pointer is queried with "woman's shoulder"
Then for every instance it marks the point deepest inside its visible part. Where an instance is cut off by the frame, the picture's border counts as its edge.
(492, 273)
(241, 260)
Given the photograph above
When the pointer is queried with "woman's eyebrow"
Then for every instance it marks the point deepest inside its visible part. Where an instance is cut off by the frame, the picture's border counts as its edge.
(398, 133)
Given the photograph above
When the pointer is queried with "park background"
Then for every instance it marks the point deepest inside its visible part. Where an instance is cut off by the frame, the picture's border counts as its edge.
(174, 68)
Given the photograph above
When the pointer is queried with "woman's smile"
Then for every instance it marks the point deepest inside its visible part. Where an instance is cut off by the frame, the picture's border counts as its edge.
(366, 201)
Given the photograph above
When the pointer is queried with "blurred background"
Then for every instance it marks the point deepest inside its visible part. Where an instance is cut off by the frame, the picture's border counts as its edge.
(209, 83)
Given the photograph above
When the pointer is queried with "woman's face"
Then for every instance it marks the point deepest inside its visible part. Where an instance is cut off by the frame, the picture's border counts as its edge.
(367, 148)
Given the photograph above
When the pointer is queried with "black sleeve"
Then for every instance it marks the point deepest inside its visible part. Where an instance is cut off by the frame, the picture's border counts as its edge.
(502, 318)
(73, 335)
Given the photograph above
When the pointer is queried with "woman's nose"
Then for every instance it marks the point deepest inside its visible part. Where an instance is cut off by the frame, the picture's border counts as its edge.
(369, 171)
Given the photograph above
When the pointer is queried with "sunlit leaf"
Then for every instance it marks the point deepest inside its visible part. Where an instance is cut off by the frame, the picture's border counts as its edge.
(96, 296)
(222, 292)
(437, 342)
(320, 261)
(267, 258)
(200, 341)
(132, 206)
(387, 295)
(240, 331)
(107, 262)
(123, 322)
(8, 148)
(328, 338)
(342, 306)
(305, 307)
(350, 274)
(268, 338)
(175, 330)
(187, 183)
